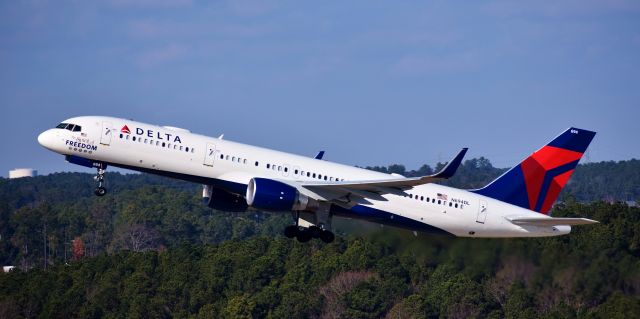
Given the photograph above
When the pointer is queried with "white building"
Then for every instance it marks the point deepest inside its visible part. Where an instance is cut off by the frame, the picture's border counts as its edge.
(22, 172)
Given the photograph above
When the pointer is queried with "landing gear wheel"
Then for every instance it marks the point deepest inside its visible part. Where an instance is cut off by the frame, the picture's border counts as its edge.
(100, 191)
(315, 231)
(304, 235)
(291, 231)
(327, 236)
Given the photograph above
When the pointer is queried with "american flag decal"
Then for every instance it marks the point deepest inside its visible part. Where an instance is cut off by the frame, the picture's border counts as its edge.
(442, 196)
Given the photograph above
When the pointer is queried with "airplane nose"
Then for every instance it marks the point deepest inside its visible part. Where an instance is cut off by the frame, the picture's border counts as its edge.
(46, 139)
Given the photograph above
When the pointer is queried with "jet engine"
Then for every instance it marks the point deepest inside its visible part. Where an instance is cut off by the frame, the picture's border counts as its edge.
(270, 195)
(222, 200)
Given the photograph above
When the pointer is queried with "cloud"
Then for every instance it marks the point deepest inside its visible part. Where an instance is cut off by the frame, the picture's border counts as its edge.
(158, 56)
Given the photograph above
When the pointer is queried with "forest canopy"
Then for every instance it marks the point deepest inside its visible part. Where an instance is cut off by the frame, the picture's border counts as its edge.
(150, 249)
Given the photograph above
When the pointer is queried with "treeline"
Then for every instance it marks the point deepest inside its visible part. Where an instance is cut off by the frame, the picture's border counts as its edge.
(40, 217)
(594, 272)
(609, 181)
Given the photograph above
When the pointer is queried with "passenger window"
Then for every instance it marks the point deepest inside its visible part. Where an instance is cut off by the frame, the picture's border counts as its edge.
(309, 174)
(221, 156)
(233, 158)
(295, 172)
(286, 169)
(325, 177)
(244, 161)
(439, 201)
(268, 165)
(456, 205)
(279, 168)
(127, 137)
(134, 138)
(227, 157)
(121, 135)
(187, 148)
(314, 175)
(257, 163)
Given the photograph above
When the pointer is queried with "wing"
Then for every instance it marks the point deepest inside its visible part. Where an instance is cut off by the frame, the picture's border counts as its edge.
(550, 221)
(373, 188)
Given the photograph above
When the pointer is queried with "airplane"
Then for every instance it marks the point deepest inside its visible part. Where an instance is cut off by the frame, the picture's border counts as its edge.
(239, 177)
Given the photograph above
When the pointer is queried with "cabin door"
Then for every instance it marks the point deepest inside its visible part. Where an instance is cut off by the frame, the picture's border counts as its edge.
(105, 137)
(210, 154)
(482, 212)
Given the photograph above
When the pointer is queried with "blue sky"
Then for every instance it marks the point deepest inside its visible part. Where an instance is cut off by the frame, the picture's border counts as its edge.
(370, 82)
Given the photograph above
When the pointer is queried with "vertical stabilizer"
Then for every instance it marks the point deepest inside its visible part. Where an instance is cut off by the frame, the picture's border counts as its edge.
(536, 182)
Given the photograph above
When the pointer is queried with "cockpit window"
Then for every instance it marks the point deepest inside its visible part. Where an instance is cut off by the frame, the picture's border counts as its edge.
(70, 127)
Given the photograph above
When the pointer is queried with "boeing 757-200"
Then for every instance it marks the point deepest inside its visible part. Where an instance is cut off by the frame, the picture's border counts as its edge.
(238, 177)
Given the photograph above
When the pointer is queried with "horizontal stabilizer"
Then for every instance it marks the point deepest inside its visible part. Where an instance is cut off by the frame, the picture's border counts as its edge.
(550, 221)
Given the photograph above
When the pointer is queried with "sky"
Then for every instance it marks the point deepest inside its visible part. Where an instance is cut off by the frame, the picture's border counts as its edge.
(369, 82)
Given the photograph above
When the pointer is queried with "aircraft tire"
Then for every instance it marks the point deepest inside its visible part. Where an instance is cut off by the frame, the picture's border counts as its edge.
(291, 231)
(327, 236)
(100, 191)
(315, 231)
(303, 235)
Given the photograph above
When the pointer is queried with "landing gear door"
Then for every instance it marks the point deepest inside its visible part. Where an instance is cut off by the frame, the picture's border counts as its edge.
(210, 154)
(105, 137)
(482, 212)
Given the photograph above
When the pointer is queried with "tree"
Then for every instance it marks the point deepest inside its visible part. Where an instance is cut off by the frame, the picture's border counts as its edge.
(77, 248)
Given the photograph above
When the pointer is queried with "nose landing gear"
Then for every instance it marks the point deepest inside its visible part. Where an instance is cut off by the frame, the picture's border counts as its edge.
(100, 190)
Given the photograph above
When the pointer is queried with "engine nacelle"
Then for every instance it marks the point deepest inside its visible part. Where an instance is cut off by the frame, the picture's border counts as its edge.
(222, 200)
(271, 195)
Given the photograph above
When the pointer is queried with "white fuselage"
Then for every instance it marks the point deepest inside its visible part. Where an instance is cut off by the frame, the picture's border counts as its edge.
(212, 161)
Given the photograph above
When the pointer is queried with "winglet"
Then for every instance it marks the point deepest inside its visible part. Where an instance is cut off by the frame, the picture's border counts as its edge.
(320, 155)
(450, 169)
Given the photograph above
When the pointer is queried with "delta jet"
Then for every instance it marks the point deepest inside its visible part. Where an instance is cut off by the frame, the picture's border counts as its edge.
(237, 177)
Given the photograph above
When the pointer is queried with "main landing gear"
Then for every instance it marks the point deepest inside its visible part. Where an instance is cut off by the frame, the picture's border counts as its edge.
(304, 234)
(310, 225)
(100, 189)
